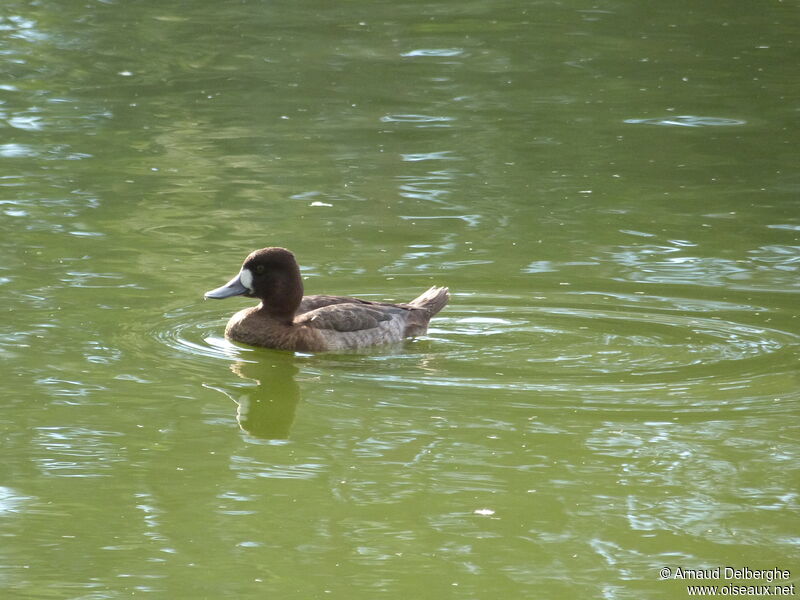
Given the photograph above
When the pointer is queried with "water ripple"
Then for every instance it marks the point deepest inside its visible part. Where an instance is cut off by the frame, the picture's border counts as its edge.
(193, 331)
(660, 352)
(412, 118)
(620, 357)
(771, 267)
(433, 52)
(688, 121)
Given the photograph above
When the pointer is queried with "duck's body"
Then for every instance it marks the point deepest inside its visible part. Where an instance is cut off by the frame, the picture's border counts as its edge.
(287, 320)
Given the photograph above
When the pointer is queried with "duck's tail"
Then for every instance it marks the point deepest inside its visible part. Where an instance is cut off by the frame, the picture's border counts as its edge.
(432, 301)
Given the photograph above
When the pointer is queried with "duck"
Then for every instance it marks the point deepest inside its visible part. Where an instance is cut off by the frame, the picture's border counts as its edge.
(285, 319)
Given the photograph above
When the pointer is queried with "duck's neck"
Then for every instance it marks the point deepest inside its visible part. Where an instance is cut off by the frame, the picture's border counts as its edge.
(283, 299)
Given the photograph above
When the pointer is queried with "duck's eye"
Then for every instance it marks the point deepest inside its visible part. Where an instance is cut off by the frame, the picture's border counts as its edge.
(259, 269)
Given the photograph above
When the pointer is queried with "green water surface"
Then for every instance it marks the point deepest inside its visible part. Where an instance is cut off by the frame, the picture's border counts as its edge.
(611, 192)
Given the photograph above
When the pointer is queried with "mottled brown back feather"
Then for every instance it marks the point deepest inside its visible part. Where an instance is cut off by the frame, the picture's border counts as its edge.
(347, 316)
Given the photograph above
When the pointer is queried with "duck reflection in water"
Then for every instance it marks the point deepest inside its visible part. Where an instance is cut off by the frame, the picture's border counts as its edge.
(266, 410)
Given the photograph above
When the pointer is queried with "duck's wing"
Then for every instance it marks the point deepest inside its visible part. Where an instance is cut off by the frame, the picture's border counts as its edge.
(349, 316)
(310, 303)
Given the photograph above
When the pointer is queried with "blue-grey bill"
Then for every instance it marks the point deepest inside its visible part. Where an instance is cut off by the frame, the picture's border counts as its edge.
(234, 287)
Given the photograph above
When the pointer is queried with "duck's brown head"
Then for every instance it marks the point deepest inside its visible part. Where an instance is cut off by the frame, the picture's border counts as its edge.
(270, 274)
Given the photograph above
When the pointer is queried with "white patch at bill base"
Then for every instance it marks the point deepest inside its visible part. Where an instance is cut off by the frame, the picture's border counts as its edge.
(246, 277)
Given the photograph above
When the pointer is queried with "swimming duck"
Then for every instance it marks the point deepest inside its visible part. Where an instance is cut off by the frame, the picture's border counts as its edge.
(287, 320)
